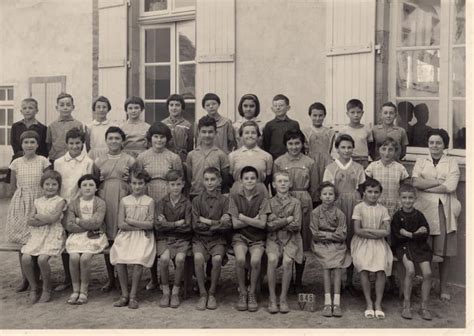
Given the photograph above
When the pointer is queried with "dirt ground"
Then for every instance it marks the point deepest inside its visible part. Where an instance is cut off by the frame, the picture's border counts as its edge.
(17, 313)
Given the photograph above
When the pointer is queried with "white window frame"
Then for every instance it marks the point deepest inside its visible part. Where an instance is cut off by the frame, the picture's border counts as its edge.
(7, 105)
(445, 86)
(167, 15)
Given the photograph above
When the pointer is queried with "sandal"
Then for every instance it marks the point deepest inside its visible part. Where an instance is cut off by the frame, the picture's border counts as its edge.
(82, 298)
(379, 314)
(369, 313)
(122, 302)
(445, 297)
(73, 298)
(45, 296)
(133, 303)
(327, 311)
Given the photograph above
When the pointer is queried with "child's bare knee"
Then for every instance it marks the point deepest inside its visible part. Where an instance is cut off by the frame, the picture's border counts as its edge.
(216, 260)
(287, 263)
(198, 259)
(180, 258)
(410, 272)
(74, 257)
(27, 259)
(240, 261)
(164, 260)
(255, 262)
(43, 259)
(427, 274)
(272, 259)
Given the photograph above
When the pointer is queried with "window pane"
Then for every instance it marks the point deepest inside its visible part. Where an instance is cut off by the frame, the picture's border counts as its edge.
(187, 76)
(418, 73)
(184, 3)
(190, 112)
(157, 82)
(157, 45)
(10, 94)
(459, 72)
(417, 118)
(9, 135)
(2, 137)
(155, 112)
(10, 117)
(460, 22)
(155, 5)
(2, 94)
(420, 23)
(3, 117)
(459, 124)
(187, 41)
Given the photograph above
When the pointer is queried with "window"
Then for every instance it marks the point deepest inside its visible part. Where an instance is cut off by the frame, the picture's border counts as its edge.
(427, 70)
(167, 6)
(6, 114)
(168, 53)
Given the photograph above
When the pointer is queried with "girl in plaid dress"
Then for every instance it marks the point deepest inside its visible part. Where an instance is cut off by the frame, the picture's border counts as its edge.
(26, 174)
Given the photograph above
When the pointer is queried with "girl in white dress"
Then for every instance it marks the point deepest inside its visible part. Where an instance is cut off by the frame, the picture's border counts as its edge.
(47, 235)
(85, 224)
(135, 242)
(370, 251)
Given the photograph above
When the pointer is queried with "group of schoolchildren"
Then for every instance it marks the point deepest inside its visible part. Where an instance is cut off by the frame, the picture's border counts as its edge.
(159, 191)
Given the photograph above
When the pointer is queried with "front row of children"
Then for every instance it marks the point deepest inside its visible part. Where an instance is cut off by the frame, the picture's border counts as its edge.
(246, 218)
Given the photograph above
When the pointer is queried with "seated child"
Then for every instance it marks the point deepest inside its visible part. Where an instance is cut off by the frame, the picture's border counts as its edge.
(249, 209)
(210, 222)
(284, 242)
(410, 232)
(173, 230)
(85, 224)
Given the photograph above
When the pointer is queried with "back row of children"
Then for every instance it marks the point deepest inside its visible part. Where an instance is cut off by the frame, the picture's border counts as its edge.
(247, 165)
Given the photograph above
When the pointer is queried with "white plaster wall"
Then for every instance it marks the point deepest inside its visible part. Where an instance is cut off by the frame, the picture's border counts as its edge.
(48, 38)
(280, 48)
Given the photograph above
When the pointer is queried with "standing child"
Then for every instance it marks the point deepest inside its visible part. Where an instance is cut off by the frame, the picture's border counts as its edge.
(275, 129)
(249, 209)
(47, 235)
(346, 175)
(134, 128)
(388, 130)
(85, 224)
(329, 229)
(182, 141)
(319, 142)
(284, 243)
(173, 230)
(26, 172)
(225, 136)
(369, 249)
(361, 134)
(135, 241)
(57, 130)
(95, 131)
(249, 109)
(303, 176)
(410, 232)
(211, 222)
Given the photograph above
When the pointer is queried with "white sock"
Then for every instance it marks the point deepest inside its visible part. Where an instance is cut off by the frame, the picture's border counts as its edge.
(337, 299)
(327, 299)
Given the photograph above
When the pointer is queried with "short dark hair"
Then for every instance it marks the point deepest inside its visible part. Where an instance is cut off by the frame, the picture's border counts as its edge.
(249, 123)
(63, 95)
(248, 169)
(51, 174)
(293, 134)
(31, 100)
(87, 177)
(327, 184)
(176, 97)
(442, 133)
(281, 97)
(389, 104)
(115, 129)
(75, 133)
(138, 172)
(369, 182)
(207, 121)
(30, 134)
(159, 128)
(405, 187)
(344, 137)
(212, 170)
(134, 100)
(210, 96)
(254, 98)
(317, 106)
(102, 99)
(354, 103)
(174, 175)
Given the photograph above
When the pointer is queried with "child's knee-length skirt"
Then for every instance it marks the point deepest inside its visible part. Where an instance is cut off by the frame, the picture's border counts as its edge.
(45, 240)
(81, 243)
(371, 255)
(332, 255)
(133, 247)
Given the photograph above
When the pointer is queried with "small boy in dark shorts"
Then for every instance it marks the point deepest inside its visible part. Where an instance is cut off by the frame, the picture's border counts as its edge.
(210, 221)
(249, 209)
(173, 236)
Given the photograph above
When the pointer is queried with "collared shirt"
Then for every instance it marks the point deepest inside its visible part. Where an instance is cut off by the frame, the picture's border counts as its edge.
(173, 213)
(302, 171)
(135, 140)
(257, 205)
(198, 160)
(95, 136)
(319, 141)
(362, 136)
(158, 164)
(273, 135)
(182, 141)
(56, 135)
(71, 170)
(239, 123)
(225, 135)
(211, 206)
(447, 172)
(380, 133)
(346, 177)
(255, 157)
(18, 128)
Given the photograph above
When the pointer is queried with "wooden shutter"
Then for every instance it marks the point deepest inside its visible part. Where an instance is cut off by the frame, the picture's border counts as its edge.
(113, 54)
(350, 63)
(46, 90)
(215, 44)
